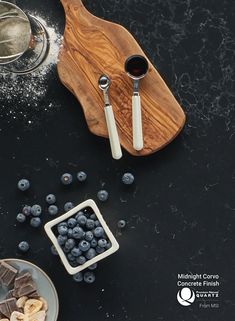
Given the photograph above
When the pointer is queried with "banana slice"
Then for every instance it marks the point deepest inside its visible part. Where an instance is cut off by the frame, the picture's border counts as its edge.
(32, 306)
(20, 303)
(39, 316)
(17, 316)
(44, 304)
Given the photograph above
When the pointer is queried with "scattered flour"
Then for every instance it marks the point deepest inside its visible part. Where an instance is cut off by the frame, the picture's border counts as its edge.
(21, 96)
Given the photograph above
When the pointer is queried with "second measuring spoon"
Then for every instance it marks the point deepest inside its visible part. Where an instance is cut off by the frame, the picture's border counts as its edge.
(104, 83)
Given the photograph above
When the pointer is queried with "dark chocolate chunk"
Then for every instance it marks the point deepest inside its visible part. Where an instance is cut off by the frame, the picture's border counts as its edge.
(10, 294)
(7, 273)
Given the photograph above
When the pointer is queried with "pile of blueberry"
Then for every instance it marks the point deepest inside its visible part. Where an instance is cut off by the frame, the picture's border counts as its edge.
(82, 238)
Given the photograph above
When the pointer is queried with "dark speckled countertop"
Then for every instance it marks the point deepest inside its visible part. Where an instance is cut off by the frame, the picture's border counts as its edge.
(181, 210)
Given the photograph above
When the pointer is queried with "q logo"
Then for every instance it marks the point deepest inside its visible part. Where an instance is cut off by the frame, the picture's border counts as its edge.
(186, 296)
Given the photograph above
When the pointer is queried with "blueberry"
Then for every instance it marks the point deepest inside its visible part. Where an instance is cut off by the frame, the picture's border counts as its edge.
(89, 277)
(89, 236)
(97, 223)
(63, 224)
(90, 254)
(99, 249)
(84, 246)
(50, 199)
(36, 210)
(68, 206)
(92, 267)
(62, 230)
(99, 231)
(53, 250)
(72, 222)
(71, 258)
(21, 218)
(79, 214)
(26, 210)
(23, 185)
(78, 277)
(94, 243)
(73, 264)
(70, 233)
(102, 243)
(78, 232)
(81, 176)
(93, 217)
(82, 220)
(90, 224)
(76, 252)
(128, 179)
(69, 244)
(108, 246)
(35, 222)
(66, 179)
(53, 210)
(81, 260)
(23, 246)
(66, 250)
(103, 195)
(62, 239)
(121, 224)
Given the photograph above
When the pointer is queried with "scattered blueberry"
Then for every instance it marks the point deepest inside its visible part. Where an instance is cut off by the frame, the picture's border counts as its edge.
(81, 260)
(102, 243)
(99, 249)
(92, 267)
(94, 243)
(76, 252)
(90, 254)
(78, 232)
(36, 210)
(62, 230)
(68, 206)
(21, 218)
(78, 277)
(35, 222)
(23, 246)
(53, 250)
(121, 224)
(53, 210)
(81, 176)
(72, 222)
(89, 277)
(128, 179)
(90, 224)
(84, 246)
(62, 239)
(82, 220)
(69, 244)
(23, 185)
(89, 236)
(99, 231)
(50, 199)
(26, 210)
(103, 195)
(66, 179)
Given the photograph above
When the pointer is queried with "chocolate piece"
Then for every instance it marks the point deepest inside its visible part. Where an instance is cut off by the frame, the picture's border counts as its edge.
(24, 286)
(11, 303)
(7, 273)
(4, 309)
(34, 295)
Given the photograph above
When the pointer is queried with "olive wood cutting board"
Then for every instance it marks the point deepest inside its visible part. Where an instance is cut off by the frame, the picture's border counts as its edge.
(92, 47)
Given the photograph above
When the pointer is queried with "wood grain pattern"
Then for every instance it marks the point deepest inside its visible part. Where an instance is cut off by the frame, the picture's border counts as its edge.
(92, 47)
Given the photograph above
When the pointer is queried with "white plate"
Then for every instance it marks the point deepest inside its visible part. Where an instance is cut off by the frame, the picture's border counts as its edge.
(45, 287)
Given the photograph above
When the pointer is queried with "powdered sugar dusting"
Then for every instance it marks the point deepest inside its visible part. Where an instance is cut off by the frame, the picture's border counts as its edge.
(24, 95)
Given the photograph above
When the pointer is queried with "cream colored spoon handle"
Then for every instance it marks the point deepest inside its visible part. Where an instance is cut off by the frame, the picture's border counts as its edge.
(113, 133)
(138, 143)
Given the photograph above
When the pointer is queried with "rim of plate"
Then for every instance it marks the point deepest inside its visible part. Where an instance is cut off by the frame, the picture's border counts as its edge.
(46, 276)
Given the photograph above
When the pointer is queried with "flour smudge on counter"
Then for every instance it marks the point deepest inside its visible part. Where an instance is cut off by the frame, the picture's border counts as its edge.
(23, 96)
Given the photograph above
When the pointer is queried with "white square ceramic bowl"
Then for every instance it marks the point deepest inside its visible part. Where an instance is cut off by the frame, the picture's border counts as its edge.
(49, 226)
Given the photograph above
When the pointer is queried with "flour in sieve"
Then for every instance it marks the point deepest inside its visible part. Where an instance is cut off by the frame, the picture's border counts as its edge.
(24, 96)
